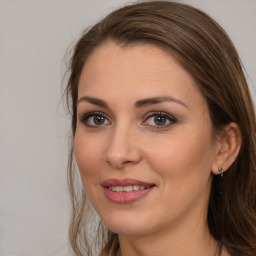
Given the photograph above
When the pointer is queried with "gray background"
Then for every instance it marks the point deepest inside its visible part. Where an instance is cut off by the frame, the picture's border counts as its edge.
(34, 36)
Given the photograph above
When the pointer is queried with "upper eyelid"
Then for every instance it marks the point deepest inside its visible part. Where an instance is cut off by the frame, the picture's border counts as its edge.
(147, 115)
(93, 113)
(153, 113)
(150, 113)
(85, 117)
(173, 120)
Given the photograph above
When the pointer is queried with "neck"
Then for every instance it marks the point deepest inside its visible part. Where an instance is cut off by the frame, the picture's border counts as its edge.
(192, 244)
(184, 238)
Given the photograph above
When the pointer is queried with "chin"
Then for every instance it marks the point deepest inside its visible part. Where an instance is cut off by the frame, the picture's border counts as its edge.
(128, 230)
(128, 224)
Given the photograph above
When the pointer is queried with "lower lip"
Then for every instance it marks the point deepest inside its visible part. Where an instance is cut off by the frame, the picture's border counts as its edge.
(126, 197)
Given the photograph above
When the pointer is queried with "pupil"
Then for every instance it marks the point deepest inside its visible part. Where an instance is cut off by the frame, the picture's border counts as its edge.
(99, 120)
(160, 120)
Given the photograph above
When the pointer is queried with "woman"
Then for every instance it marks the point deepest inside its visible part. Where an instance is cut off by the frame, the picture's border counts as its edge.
(163, 134)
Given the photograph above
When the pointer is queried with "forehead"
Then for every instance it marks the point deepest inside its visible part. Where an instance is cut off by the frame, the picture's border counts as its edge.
(135, 71)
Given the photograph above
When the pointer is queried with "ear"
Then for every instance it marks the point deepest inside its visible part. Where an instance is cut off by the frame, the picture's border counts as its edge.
(228, 147)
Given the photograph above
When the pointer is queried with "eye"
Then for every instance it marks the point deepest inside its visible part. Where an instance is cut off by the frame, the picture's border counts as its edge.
(158, 120)
(94, 119)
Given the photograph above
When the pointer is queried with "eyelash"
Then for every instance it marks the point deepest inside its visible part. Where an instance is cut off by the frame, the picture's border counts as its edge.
(172, 120)
(86, 118)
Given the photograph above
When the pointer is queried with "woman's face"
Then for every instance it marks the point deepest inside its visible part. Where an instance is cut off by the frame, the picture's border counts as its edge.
(144, 142)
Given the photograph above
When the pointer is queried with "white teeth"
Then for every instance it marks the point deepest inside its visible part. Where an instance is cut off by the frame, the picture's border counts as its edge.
(126, 188)
(118, 189)
(135, 187)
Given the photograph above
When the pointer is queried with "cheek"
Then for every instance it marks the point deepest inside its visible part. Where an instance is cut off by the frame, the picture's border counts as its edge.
(88, 154)
(182, 155)
(184, 167)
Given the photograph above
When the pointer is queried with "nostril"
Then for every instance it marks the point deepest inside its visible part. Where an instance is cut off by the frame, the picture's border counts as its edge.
(126, 162)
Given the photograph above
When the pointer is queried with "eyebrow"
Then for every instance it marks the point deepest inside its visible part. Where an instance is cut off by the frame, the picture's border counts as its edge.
(156, 100)
(94, 101)
(138, 104)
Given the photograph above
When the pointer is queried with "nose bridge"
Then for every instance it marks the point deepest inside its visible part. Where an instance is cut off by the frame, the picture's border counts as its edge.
(122, 147)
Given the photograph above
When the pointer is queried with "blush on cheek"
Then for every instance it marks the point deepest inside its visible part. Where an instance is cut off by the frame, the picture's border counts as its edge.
(180, 157)
(88, 161)
(85, 150)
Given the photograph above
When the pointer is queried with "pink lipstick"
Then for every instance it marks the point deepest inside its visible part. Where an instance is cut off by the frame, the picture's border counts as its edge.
(126, 190)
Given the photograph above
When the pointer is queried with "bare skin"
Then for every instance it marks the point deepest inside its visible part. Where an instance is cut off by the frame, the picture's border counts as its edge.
(166, 142)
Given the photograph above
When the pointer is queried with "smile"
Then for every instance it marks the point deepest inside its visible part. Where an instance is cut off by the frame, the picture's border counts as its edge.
(126, 191)
(127, 188)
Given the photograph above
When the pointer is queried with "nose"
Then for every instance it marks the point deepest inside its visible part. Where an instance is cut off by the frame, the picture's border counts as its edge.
(122, 149)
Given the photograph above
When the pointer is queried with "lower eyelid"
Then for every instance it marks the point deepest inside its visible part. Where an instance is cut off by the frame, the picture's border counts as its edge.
(171, 119)
(85, 120)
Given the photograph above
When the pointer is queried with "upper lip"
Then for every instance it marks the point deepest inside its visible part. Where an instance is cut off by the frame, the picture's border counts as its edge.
(125, 182)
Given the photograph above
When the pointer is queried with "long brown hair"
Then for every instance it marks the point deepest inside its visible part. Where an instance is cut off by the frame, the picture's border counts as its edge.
(203, 48)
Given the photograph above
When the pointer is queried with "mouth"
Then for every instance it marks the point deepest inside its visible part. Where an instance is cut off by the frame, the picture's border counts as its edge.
(127, 190)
